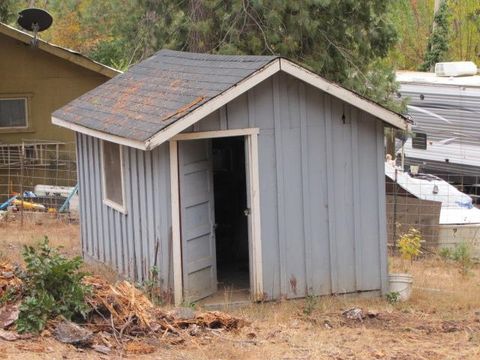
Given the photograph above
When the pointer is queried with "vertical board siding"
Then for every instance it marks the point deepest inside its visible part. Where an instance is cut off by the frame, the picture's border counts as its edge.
(321, 194)
(317, 192)
(126, 242)
(291, 158)
(82, 198)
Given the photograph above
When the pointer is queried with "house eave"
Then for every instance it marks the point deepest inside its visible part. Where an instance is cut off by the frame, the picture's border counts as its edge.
(61, 52)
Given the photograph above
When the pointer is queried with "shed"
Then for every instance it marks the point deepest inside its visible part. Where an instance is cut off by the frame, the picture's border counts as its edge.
(245, 173)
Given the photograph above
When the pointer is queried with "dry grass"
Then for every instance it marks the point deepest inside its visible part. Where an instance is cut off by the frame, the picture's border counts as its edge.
(441, 321)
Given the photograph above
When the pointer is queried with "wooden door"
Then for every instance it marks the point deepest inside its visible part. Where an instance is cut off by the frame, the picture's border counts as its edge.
(197, 219)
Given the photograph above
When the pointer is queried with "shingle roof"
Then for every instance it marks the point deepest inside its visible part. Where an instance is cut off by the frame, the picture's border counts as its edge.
(157, 92)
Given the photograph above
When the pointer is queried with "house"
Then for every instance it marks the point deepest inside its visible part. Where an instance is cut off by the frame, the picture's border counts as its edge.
(233, 172)
(445, 110)
(35, 81)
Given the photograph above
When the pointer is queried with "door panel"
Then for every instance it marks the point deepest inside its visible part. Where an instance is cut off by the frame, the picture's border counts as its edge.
(197, 219)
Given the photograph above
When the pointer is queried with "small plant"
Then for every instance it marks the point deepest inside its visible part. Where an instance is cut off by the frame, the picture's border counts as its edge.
(410, 244)
(461, 254)
(310, 304)
(446, 253)
(152, 288)
(53, 287)
(393, 297)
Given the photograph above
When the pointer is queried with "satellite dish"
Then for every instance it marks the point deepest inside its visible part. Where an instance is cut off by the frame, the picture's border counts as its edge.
(34, 20)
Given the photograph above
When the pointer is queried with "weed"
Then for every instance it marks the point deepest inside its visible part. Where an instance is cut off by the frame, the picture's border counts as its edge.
(393, 297)
(53, 286)
(152, 288)
(410, 244)
(310, 304)
(461, 254)
(446, 253)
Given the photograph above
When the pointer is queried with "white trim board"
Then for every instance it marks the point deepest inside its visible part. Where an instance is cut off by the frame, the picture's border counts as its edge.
(213, 105)
(114, 205)
(98, 134)
(240, 88)
(255, 242)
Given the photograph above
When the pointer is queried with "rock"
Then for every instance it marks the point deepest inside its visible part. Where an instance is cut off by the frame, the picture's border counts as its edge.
(372, 313)
(183, 313)
(8, 315)
(327, 324)
(8, 335)
(354, 314)
(102, 349)
(70, 333)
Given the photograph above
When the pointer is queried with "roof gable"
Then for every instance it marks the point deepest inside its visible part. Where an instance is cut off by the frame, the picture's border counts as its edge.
(64, 53)
(165, 94)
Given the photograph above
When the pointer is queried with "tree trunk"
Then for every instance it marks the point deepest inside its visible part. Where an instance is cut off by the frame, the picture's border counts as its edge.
(197, 40)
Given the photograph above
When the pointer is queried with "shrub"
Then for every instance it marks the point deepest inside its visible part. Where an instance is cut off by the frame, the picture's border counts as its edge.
(53, 287)
(393, 297)
(410, 244)
(310, 304)
(461, 254)
(446, 253)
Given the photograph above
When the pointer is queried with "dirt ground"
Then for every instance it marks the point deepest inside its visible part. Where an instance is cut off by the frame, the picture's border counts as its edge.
(441, 321)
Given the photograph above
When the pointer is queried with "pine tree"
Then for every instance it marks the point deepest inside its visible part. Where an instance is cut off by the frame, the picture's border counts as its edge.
(437, 46)
(344, 41)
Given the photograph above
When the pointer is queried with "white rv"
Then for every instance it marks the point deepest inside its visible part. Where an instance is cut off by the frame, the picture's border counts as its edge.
(445, 109)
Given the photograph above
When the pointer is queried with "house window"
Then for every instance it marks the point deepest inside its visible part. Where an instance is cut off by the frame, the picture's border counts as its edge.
(13, 113)
(419, 141)
(113, 175)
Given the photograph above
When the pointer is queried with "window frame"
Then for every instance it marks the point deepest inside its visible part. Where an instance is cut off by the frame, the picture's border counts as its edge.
(26, 99)
(424, 136)
(110, 203)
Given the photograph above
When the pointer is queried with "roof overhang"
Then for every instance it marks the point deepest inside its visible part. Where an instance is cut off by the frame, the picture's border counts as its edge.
(387, 116)
(63, 53)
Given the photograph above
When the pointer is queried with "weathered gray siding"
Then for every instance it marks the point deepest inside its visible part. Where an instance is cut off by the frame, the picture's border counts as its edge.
(321, 194)
(133, 242)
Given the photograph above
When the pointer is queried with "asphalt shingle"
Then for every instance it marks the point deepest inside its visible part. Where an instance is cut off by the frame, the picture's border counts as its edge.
(157, 92)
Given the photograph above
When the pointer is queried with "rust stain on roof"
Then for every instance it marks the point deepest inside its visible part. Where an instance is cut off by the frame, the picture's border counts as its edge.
(184, 108)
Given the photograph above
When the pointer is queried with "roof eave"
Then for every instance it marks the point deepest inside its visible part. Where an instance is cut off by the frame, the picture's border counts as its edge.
(60, 52)
(99, 134)
(377, 110)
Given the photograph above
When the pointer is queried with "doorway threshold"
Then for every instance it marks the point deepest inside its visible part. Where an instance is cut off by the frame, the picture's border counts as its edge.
(226, 299)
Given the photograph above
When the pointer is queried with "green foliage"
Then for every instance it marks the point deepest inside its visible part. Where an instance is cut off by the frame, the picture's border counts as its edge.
(410, 244)
(446, 253)
(461, 254)
(437, 46)
(343, 41)
(53, 286)
(310, 304)
(152, 287)
(393, 297)
(413, 23)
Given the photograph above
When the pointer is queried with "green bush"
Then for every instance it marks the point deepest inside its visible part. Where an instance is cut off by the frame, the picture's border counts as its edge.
(461, 254)
(53, 287)
(393, 297)
(446, 253)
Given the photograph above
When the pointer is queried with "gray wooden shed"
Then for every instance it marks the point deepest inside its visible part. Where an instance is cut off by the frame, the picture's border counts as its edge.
(242, 172)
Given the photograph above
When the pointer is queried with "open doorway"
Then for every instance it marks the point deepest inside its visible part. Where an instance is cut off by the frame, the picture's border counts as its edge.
(231, 216)
(196, 233)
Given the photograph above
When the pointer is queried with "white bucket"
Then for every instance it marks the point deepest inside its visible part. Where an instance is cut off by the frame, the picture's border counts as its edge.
(401, 283)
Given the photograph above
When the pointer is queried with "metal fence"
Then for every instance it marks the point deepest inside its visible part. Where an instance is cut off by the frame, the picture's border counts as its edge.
(36, 175)
(443, 207)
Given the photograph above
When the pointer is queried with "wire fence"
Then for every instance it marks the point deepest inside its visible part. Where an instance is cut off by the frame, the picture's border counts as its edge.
(37, 176)
(443, 207)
